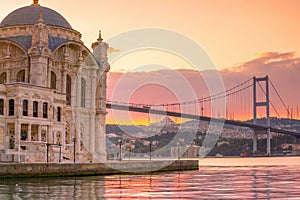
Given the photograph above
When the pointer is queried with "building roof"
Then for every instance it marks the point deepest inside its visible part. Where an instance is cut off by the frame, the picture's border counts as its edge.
(25, 41)
(29, 15)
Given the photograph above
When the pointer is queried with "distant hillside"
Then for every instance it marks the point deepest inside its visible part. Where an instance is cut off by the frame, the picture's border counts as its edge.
(284, 123)
(120, 129)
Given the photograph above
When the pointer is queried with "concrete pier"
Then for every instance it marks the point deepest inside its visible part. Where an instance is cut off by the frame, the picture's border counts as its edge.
(87, 169)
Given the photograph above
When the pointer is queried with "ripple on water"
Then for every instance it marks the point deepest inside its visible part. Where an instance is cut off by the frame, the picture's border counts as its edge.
(207, 183)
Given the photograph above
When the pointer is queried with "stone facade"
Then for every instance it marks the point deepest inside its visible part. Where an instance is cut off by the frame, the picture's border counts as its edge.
(52, 90)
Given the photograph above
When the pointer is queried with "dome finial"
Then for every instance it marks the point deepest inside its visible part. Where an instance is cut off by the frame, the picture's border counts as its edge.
(35, 3)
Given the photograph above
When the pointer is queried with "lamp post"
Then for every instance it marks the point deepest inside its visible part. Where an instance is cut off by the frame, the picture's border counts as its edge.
(129, 148)
(178, 157)
(47, 149)
(74, 141)
(59, 159)
(120, 150)
(129, 152)
(150, 146)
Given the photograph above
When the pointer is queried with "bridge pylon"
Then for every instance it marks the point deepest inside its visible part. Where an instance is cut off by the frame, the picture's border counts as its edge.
(264, 103)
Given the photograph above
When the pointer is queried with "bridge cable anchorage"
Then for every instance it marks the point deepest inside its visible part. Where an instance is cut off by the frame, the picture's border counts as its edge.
(277, 113)
(286, 108)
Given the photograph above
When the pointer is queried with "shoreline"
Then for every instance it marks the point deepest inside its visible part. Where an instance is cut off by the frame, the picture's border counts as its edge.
(249, 161)
(17, 170)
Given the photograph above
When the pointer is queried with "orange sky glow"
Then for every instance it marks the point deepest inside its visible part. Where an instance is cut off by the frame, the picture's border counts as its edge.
(232, 31)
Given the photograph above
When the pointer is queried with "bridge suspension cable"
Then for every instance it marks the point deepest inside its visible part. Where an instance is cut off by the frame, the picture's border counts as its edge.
(274, 108)
(236, 89)
(281, 100)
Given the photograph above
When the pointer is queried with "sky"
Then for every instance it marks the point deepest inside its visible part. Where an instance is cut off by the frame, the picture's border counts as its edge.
(231, 31)
(173, 86)
(243, 38)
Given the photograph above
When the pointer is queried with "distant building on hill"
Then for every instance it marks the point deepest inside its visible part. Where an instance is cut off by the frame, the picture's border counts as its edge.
(191, 151)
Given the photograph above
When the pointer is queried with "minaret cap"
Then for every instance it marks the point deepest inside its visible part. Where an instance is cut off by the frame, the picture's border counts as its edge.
(100, 37)
(35, 3)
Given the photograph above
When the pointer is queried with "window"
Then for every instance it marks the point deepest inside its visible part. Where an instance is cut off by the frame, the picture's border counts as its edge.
(23, 135)
(25, 108)
(44, 136)
(58, 138)
(11, 107)
(21, 76)
(35, 108)
(1, 107)
(45, 110)
(68, 90)
(59, 114)
(83, 89)
(53, 81)
(3, 78)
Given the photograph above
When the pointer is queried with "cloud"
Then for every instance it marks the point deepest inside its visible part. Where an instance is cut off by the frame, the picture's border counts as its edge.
(268, 63)
(112, 50)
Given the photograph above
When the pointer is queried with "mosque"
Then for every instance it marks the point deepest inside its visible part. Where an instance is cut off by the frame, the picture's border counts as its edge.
(52, 90)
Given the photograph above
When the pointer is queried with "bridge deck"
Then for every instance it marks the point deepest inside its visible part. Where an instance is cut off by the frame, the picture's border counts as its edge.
(197, 117)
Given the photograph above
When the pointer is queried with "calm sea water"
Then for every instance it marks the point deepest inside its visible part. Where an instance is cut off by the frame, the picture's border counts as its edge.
(226, 182)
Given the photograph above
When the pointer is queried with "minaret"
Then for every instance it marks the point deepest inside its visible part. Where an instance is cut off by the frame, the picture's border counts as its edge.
(100, 53)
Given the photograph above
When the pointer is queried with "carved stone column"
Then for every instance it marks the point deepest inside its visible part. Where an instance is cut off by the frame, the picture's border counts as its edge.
(63, 81)
(39, 133)
(29, 132)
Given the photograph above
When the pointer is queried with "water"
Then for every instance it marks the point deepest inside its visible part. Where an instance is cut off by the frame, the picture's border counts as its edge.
(226, 182)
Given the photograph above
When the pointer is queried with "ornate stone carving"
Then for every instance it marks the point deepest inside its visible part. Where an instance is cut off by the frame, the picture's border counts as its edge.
(36, 96)
(40, 33)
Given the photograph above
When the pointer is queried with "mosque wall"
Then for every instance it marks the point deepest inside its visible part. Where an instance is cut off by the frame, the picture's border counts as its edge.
(52, 95)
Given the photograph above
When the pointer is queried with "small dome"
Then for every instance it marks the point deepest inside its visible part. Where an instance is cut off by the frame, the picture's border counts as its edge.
(30, 14)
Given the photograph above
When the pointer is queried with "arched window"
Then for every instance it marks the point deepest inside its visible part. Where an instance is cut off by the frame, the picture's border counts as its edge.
(44, 136)
(3, 78)
(81, 136)
(35, 109)
(53, 81)
(83, 91)
(1, 107)
(68, 89)
(45, 110)
(21, 76)
(25, 107)
(59, 114)
(58, 138)
(11, 107)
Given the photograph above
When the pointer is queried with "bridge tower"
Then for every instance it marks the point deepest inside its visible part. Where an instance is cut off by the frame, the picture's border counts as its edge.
(264, 103)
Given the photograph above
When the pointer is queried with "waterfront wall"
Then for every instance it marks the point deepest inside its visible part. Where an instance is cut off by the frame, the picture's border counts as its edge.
(84, 169)
(250, 161)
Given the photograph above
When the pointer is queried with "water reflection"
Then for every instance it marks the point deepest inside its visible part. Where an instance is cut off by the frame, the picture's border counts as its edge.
(53, 188)
(207, 183)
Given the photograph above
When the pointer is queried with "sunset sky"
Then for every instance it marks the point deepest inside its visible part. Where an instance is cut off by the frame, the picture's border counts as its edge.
(250, 36)
(232, 31)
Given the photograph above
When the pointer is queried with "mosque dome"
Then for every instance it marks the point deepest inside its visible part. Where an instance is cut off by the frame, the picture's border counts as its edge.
(29, 15)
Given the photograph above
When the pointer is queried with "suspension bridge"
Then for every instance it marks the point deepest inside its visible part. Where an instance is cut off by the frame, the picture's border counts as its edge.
(248, 99)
